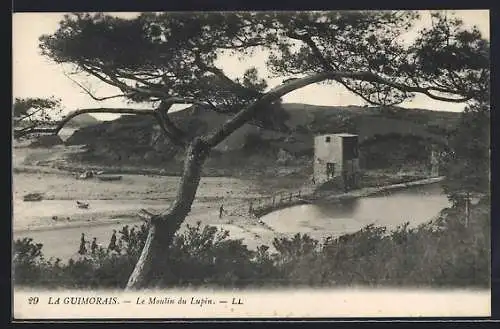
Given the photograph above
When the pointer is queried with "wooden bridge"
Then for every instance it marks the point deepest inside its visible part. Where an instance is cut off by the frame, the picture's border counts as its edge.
(262, 206)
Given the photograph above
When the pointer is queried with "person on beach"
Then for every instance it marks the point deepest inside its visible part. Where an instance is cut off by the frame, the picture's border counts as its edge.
(93, 247)
(83, 249)
(112, 242)
(221, 211)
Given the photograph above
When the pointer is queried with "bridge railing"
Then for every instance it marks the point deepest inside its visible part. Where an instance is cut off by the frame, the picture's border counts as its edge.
(278, 200)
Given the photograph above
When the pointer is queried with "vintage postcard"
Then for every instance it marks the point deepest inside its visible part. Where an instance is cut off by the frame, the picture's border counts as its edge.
(308, 164)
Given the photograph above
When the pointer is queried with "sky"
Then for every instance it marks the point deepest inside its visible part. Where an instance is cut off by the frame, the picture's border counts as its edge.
(37, 76)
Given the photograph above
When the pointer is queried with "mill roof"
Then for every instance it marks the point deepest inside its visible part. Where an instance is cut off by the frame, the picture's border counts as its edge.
(339, 135)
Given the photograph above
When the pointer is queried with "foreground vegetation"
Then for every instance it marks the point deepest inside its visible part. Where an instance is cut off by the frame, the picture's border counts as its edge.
(441, 253)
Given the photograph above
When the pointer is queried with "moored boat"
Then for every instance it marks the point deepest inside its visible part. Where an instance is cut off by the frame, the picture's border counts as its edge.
(82, 205)
(109, 178)
(33, 197)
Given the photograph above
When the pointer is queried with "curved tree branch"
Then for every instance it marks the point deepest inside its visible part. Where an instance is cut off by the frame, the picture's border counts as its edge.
(168, 127)
(123, 86)
(111, 79)
(422, 90)
(214, 108)
(161, 122)
(219, 73)
(29, 115)
(176, 134)
(246, 113)
(137, 78)
(304, 37)
(88, 92)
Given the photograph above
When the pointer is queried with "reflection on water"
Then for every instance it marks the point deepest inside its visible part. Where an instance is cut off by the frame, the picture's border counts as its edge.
(415, 205)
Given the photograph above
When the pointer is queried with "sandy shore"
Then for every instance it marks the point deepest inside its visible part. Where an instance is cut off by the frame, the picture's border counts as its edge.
(57, 222)
(114, 204)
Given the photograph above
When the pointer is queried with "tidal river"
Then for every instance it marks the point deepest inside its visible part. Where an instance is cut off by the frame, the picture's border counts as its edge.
(415, 205)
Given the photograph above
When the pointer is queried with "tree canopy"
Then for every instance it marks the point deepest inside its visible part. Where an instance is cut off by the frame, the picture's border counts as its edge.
(32, 112)
(160, 55)
(35, 108)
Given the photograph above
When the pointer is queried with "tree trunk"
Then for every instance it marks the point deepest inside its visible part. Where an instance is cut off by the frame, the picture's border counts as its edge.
(162, 228)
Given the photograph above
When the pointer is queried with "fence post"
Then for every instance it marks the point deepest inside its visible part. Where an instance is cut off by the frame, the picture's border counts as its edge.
(290, 197)
(299, 193)
(274, 199)
(250, 208)
(467, 209)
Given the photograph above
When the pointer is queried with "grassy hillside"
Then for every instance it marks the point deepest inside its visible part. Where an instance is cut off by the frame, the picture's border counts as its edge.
(83, 120)
(138, 140)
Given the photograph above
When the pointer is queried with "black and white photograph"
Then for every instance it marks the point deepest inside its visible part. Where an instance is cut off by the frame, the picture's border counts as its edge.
(251, 164)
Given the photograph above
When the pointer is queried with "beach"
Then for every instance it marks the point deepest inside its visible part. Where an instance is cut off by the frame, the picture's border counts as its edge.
(57, 222)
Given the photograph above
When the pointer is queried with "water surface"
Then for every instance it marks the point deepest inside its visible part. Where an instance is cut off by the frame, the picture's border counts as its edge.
(415, 205)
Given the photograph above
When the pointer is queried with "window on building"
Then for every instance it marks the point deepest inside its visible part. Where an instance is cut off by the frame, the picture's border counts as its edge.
(327, 139)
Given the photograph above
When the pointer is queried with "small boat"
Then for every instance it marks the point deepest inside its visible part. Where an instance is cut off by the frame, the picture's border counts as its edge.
(33, 197)
(145, 215)
(82, 205)
(86, 175)
(109, 178)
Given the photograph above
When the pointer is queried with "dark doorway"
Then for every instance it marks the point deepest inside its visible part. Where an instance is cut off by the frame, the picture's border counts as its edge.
(330, 170)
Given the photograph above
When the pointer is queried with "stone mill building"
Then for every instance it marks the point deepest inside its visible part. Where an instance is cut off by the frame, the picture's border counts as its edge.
(336, 159)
